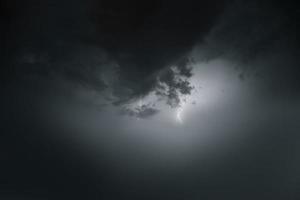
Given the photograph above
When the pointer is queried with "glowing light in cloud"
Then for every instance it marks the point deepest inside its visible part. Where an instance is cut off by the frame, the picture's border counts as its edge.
(179, 115)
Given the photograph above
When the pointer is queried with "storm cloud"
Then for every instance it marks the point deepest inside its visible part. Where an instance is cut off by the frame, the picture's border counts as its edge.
(131, 99)
(141, 112)
(94, 34)
(261, 41)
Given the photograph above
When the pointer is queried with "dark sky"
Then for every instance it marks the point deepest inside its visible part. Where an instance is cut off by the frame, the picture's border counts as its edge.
(115, 99)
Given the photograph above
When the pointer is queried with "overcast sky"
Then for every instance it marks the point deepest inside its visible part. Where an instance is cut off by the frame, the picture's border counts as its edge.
(112, 99)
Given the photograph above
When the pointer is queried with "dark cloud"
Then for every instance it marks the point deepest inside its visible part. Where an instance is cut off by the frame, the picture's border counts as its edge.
(85, 68)
(173, 82)
(122, 50)
(79, 44)
(260, 38)
(141, 112)
(170, 82)
(66, 44)
(159, 38)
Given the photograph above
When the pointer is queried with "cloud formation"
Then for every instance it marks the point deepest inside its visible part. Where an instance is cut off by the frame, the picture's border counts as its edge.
(260, 38)
(174, 82)
(140, 112)
(78, 45)
(151, 53)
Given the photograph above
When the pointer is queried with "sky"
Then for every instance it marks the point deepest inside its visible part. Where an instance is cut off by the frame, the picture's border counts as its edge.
(170, 99)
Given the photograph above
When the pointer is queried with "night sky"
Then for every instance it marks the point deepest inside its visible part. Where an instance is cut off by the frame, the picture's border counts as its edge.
(150, 100)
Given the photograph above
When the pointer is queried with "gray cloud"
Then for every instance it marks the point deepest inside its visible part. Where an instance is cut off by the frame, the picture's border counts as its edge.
(248, 33)
(173, 82)
(56, 57)
(79, 45)
(260, 38)
(146, 47)
(141, 112)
